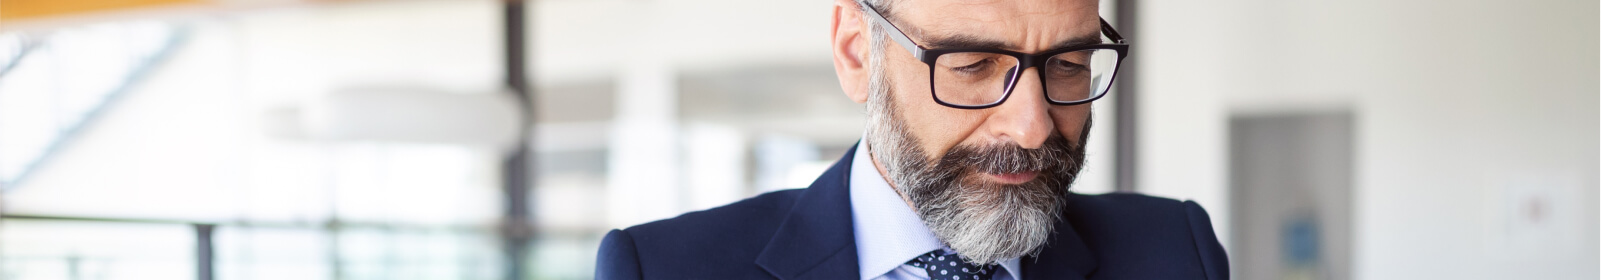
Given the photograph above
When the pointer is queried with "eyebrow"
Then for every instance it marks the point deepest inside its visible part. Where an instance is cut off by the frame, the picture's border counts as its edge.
(1079, 41)
(963, 41)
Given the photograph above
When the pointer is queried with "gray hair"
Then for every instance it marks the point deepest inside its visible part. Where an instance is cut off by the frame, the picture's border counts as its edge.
(880, 112)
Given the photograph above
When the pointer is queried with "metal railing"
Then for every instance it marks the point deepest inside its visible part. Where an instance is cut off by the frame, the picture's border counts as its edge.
(20, 159)
(205, 255)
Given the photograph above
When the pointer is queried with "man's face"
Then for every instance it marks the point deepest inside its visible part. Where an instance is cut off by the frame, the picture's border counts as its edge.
(1027, 26)
(988, 182)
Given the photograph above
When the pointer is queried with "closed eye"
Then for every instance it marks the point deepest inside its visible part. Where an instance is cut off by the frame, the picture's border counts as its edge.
(1064, 67)
(976, 67)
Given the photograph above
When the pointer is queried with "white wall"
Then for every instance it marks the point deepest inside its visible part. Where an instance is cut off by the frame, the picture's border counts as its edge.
(1466, 111)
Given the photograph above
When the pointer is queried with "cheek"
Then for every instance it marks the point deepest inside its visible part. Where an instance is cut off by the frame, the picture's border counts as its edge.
(1070, 121)
(938, 128)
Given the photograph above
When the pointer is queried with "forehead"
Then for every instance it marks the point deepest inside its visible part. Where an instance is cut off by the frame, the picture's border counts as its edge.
(1024, 25)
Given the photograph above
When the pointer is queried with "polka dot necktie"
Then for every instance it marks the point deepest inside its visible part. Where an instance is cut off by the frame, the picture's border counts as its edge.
(941, 266)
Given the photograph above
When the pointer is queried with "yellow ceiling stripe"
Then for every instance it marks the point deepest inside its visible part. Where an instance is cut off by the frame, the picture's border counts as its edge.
(18, 9)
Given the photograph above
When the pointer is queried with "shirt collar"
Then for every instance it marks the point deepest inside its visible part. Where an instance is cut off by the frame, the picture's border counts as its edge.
(888, 233)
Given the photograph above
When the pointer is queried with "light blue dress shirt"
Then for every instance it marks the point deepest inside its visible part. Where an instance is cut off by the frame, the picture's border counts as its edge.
(888, 233)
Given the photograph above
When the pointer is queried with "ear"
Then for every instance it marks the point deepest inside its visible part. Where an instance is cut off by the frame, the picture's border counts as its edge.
(850, 49)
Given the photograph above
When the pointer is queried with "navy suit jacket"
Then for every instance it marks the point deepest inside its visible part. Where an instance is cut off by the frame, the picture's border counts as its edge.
(807, 234)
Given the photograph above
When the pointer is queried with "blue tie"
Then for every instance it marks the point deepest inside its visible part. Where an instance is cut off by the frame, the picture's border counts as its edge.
(941, 266)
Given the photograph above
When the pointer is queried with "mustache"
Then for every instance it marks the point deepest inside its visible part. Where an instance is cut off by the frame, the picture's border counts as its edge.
(1055, 155)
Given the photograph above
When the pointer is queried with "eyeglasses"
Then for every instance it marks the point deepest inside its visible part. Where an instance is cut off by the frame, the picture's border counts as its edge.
(978, 78)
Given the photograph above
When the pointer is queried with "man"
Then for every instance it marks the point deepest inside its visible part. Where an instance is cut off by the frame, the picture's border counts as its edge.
(978, 114)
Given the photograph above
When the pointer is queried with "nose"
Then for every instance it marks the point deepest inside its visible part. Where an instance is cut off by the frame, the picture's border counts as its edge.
(1025, 116)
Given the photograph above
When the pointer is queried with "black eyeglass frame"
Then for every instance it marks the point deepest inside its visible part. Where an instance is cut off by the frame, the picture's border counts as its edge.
(1025, 61)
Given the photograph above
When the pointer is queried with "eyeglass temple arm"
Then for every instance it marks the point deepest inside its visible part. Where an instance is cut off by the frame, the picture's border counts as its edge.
(1111, 33)
(894, 32)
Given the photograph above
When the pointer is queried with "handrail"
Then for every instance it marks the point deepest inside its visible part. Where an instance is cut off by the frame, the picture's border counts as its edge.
(205, 232)
(23, 47)
(70, 131)
(326, 224)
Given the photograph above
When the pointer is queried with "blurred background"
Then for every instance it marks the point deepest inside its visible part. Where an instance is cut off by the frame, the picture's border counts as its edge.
(499, 139)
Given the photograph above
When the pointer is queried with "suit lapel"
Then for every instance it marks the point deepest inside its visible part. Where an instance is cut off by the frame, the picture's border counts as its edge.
(816, 239)
(1065, 256)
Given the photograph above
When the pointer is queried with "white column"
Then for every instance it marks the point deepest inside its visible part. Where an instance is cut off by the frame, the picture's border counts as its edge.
(643, 171)
(716, 165)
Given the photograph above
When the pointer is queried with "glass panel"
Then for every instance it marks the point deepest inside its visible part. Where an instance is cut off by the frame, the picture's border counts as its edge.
(31, 249)
(564, 256)
(273, 253)
(401, 253)
(358, 251)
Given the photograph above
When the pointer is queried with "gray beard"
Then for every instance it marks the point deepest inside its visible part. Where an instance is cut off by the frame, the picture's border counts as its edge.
(984, 222)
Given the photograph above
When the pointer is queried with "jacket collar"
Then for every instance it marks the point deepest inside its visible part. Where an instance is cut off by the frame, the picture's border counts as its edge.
(815, 240)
